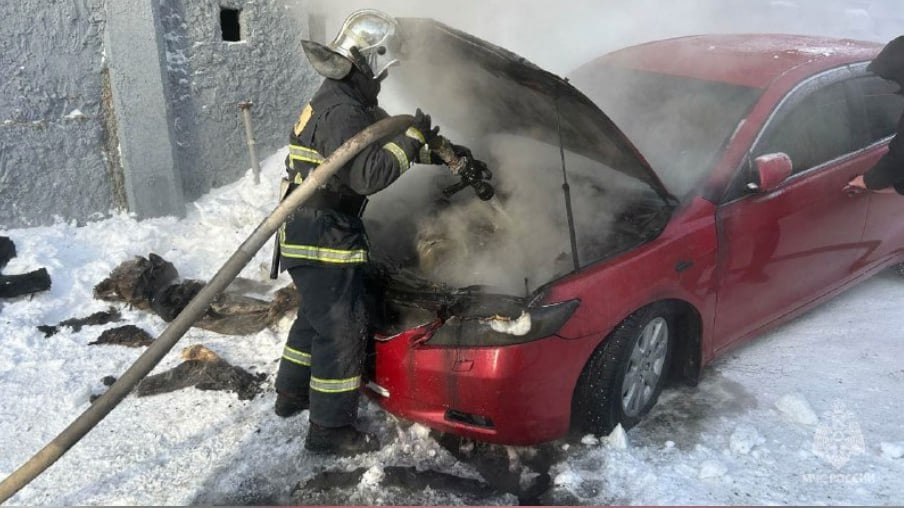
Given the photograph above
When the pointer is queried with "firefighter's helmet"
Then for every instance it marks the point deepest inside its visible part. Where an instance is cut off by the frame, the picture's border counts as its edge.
(368, 40)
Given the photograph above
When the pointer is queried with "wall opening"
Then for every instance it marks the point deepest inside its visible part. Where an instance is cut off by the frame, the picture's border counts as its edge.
(230, 24)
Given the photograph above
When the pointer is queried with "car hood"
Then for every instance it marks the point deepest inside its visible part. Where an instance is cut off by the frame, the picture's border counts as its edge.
(478, 88)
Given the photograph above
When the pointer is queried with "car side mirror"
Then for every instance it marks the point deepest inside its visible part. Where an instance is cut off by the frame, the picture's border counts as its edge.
(773, 169)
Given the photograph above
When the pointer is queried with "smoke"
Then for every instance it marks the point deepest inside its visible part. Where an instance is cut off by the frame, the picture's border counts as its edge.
(514, 243)
(510, 116)
(560, 36)
(520, 241)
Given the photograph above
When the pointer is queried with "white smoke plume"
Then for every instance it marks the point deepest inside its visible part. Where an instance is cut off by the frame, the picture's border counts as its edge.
(469, 242)
(559, 36)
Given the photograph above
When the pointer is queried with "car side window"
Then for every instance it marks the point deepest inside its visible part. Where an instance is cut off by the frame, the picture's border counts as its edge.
(883, 105)
(813, 131)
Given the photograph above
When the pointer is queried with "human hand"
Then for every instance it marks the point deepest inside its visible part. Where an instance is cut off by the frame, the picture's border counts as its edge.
(858, 185)
(855, 186)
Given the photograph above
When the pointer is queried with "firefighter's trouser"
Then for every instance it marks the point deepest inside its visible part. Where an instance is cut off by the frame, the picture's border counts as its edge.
(324, 353)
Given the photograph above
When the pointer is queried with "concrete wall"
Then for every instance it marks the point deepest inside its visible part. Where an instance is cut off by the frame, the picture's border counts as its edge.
(134, 56)
(208, 77)
(124, 104)
(52, 129)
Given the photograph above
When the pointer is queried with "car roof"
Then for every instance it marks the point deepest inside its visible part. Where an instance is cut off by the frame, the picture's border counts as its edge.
(753, 60)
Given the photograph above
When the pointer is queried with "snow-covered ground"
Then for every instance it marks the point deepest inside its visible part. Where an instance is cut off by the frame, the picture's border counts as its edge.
(811, 413)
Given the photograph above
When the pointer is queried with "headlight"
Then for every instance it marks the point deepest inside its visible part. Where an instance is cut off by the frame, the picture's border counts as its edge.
(534, 323)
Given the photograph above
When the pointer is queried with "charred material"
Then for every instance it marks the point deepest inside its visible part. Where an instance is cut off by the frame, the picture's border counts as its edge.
(12, 286)
(171, 300)
(7, 251)
(110, 315)
(107, 381)
(137, 281)
(25, 284)
(127, 335)
(527, 477)
(522, 473)
(204, 370)
(152, 283)
(401, 300)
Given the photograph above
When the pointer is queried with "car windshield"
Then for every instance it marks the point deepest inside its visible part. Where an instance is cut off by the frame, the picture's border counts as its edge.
(679, 124)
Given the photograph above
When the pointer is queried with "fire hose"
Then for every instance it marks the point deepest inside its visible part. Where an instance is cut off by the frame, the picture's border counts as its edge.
(198, 306)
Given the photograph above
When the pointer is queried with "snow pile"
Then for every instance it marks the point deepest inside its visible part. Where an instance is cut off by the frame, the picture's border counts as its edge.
(618, 439)
(744, 439)
(796, 408)
(892, 450)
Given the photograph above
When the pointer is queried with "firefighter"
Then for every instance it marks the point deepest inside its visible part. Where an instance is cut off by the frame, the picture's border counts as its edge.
(888, 174)
(323, 245)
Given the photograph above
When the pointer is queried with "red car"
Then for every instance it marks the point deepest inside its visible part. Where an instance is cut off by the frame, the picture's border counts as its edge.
(732, 216)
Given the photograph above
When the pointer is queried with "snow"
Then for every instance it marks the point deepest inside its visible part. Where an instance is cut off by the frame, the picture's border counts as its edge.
(712, 469)
(892, 450)
(809, 413)
(744, 439)
(796, 408)
(618, 439)
(75, 114)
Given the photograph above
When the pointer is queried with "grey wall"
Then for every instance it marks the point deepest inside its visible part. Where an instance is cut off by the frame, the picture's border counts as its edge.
(209, 77)
(83, 124)
(52, 131)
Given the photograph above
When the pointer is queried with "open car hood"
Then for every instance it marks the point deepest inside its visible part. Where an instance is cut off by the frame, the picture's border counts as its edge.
(441, 66)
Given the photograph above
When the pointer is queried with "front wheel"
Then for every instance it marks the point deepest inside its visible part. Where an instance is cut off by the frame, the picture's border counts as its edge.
(625, 375)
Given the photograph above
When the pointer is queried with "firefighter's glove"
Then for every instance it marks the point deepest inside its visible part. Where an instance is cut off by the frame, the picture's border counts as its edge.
(409, 148)
(423, 125)
(418, 135)
(462, 151)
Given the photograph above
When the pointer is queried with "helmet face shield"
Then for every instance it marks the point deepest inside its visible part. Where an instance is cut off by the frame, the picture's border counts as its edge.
(374, 35)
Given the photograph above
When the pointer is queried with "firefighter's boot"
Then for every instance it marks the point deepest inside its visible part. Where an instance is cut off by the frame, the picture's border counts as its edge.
(290, 405)
(345, 441)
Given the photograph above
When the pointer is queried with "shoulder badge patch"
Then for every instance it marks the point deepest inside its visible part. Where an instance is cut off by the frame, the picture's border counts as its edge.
(303, 119)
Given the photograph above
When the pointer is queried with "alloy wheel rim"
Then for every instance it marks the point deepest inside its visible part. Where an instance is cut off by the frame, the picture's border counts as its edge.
(645, 366)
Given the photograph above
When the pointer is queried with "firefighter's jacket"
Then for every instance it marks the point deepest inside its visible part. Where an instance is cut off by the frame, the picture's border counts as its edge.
(328, 230)
(889, 171)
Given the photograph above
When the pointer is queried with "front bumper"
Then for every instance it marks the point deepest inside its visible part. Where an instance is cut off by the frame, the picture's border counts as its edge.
(515, 394)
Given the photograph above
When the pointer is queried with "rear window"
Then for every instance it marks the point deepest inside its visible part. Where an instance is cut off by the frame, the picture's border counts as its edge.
(679, 124)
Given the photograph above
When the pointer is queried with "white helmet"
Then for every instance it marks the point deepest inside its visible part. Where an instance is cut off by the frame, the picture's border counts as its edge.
(369, 40)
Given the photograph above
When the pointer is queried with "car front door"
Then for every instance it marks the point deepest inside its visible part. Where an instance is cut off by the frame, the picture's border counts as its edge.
(781, 249)
(883, 106)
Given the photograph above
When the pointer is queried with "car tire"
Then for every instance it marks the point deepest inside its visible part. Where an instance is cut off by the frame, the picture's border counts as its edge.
(899, 269)
(625, 375)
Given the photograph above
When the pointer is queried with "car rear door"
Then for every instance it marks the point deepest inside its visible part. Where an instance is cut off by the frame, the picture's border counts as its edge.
(782, 249)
